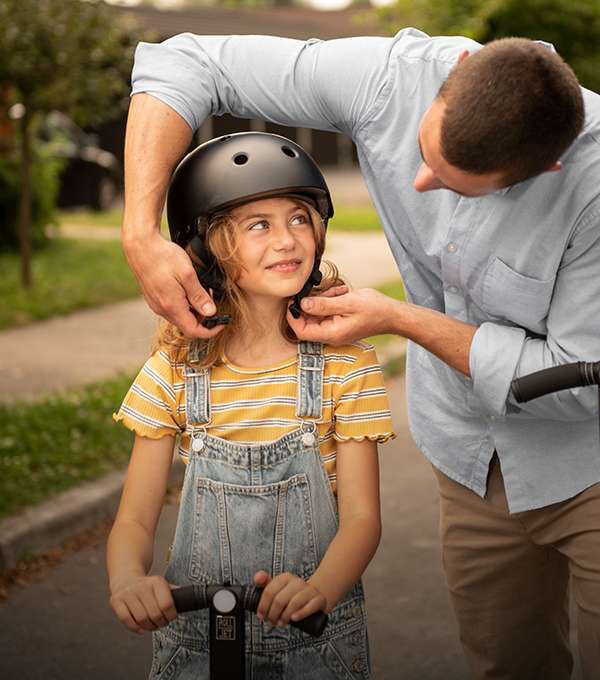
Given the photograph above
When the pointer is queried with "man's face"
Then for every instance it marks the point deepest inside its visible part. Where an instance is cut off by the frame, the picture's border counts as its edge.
(436, 173)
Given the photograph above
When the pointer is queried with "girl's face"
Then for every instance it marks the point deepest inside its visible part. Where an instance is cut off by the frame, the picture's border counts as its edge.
(276, 246)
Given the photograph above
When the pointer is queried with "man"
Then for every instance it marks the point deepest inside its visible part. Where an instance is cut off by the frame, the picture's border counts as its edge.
(501, 267)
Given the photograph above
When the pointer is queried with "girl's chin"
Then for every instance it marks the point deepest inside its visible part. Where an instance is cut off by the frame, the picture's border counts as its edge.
(279, 294)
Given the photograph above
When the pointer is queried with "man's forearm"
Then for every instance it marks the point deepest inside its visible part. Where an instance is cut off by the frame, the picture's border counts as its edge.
(450, 340)
(157, 137)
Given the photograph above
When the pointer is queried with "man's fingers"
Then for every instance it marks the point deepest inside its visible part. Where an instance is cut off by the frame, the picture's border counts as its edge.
(311, 329)
(325, 306)
(189, 325)
(198, 298)
(334, 292)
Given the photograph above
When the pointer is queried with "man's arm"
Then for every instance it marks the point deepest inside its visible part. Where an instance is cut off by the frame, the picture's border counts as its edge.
(366, 312)
(492, 354)
(156, 139)
(178, 83)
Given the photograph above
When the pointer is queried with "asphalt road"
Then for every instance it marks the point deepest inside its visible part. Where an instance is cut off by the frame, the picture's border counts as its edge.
(63, 628)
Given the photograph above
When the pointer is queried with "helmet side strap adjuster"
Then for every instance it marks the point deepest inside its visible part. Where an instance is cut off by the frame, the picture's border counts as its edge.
(313, 280)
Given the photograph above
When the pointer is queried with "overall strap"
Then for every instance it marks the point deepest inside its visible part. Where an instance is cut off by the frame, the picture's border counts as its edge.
(309, 395)
(197, 387)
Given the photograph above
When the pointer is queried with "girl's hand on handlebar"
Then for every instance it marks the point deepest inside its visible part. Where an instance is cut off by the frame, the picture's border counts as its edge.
(286, 597)
(144, 603)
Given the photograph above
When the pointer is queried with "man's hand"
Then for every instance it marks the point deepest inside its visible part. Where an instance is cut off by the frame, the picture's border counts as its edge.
(170, 284)
(341, 319)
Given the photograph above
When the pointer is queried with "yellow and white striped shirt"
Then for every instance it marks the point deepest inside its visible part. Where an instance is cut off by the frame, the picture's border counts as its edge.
(250, 405)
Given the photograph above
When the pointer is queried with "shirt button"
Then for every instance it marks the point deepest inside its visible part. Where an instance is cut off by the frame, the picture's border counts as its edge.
(452, 289)
(451, 247)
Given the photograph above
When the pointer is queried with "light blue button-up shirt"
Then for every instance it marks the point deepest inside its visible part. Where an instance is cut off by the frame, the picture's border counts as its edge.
(522, 264)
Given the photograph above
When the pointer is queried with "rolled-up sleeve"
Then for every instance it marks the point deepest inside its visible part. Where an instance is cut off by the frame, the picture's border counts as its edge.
(500, 353)
(329, 85)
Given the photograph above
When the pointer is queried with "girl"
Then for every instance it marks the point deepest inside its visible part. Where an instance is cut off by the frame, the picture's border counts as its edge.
(279, 437)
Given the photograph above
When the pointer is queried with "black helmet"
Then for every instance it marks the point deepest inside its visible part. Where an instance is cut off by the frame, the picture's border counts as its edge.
(231, 170)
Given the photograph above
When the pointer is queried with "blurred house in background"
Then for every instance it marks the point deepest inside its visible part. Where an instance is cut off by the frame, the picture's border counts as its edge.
(327, 148)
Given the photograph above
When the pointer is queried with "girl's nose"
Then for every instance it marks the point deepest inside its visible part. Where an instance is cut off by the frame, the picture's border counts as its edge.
(283, 238)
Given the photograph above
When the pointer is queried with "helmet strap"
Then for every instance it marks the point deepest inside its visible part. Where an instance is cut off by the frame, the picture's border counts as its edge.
(313, 280)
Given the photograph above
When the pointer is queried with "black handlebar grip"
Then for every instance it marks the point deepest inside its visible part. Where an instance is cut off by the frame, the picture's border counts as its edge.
(188, 598)
(314, 624)
(578, 374)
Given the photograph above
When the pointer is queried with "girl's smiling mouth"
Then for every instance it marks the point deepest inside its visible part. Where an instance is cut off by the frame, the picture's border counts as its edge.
(285, 265)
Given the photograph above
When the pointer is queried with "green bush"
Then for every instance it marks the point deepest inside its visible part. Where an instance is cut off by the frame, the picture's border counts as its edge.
(572, 26)
(45, 186)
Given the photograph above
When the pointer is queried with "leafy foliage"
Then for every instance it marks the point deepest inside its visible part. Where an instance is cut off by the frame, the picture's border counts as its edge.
(572, 26)
(45, 177)
(71, 55)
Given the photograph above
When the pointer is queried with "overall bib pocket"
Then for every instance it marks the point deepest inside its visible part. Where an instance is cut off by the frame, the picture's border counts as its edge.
(226, 545)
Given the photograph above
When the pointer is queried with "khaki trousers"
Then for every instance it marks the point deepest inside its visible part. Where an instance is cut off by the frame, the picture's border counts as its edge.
(508, 577)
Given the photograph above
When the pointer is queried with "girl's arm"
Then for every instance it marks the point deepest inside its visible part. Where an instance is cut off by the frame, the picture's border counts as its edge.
(131, 540)
(359, 531)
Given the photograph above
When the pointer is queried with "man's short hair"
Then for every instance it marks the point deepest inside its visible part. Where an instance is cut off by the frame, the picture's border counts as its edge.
(513, 106)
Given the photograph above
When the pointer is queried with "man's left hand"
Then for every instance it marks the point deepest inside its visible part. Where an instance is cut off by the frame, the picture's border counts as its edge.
(341, 319)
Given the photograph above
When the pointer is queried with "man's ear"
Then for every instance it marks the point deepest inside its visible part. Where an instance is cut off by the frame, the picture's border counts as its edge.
(463, 55)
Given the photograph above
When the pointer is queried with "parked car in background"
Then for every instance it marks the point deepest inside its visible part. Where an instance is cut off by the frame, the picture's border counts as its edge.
(92, 176)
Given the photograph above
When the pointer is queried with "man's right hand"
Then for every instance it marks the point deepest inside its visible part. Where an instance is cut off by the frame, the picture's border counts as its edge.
(169, 283)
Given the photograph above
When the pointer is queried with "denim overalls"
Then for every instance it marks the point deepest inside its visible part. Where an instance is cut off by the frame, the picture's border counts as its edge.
(246, 507)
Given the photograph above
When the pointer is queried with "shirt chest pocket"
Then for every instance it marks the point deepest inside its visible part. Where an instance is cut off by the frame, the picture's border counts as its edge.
(517, 298)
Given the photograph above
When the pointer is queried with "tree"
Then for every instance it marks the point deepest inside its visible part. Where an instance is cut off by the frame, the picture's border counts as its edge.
(72, 55)
(572, 26)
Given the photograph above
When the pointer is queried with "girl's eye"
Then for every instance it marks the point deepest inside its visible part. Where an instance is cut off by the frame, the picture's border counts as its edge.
(299, 219)
(259, 226)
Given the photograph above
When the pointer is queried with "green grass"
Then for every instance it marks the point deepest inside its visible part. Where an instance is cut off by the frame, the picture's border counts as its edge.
(345, 218)
(68, 274)
(49, 446)
(355, 219)
(92, 218)
(393, 289)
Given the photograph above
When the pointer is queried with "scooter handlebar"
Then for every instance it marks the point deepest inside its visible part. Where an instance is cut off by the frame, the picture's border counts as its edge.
(567, 376)
(188, 598)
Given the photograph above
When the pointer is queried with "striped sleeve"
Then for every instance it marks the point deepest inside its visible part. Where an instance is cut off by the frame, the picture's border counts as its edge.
(362, 408)
(150, 407)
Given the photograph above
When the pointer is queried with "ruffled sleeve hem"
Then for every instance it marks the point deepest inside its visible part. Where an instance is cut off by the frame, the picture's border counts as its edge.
(379, 438)
(143, 430)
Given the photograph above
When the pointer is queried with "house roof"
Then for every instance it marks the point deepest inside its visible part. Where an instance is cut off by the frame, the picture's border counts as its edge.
(290, 22)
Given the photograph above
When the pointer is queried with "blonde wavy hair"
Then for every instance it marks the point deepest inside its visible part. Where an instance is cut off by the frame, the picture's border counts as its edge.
(222, 242)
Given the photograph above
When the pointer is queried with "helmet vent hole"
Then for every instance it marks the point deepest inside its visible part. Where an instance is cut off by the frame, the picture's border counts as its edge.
(240, 159)
(289, 152)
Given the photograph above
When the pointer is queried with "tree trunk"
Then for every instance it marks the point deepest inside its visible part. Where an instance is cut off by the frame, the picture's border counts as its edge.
(25, 201)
